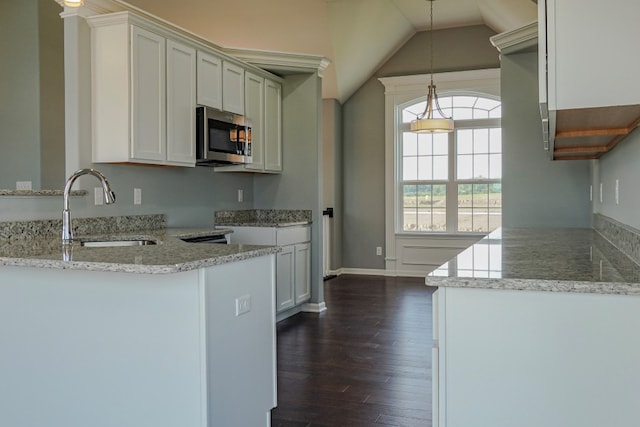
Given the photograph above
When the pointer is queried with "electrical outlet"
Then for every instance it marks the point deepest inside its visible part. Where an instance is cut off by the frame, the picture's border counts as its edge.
(137, 196)
(98, 196)
(240, 195)
(617, 192)
(23, 185)
(243, 304)
(379, 250)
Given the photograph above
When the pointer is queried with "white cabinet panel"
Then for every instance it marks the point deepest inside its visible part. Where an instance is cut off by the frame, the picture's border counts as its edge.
(181, 98)
(273, 126)
(209, 80)
(286, 275)
(232, 88)
(303, 272)
(241, 353)
(148, 139)
(254, 112)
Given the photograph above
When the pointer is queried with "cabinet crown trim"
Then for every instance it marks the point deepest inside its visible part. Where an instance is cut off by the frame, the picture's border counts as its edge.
(517, 40)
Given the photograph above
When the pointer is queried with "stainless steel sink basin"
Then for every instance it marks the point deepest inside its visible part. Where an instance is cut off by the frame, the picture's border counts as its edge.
(115, 243)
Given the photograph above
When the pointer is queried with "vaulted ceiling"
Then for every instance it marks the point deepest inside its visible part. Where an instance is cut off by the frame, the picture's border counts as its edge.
(357, 36)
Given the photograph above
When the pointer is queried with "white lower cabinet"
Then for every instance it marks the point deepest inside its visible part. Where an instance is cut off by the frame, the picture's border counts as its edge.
(293, 264)
(94, 348)
(505, 358)
(302, 272)
(285, 276)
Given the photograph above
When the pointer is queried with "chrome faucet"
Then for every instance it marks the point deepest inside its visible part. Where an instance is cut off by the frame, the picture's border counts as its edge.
(109, 197)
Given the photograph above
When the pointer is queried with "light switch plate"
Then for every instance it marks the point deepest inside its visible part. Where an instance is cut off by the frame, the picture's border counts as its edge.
(98, 196)
(137, 196)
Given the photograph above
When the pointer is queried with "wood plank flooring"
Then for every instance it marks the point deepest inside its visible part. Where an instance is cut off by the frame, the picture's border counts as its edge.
(364, 362)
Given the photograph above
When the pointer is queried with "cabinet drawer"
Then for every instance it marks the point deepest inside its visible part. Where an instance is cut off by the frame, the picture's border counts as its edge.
(292, 235)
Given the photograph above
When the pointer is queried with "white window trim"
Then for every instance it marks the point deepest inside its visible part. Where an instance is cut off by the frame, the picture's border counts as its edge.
(399, 91)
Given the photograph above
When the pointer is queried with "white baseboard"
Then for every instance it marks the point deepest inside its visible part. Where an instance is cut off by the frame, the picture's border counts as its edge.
(314, 307)
(380, 272)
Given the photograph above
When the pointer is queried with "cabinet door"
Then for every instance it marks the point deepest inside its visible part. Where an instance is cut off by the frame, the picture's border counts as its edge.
(285, 275)
(302, 273)
(273, 126)
(254, 112)
(148, 133)
(181, 99)
(209, 91)
(232, 88)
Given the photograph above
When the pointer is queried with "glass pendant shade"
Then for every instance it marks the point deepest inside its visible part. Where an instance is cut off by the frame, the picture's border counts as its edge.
(426, 123)
(73, 3)
(432, 125)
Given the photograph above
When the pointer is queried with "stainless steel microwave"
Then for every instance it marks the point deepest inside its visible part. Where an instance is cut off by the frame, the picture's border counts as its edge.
(221, 138)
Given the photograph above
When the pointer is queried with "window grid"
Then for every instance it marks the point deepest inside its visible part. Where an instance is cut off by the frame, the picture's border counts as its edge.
(452, 182)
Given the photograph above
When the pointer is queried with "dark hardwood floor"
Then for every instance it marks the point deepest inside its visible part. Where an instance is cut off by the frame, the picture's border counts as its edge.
(366, 361)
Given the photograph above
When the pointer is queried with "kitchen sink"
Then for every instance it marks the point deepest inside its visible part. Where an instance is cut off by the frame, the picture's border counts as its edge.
(115, 243)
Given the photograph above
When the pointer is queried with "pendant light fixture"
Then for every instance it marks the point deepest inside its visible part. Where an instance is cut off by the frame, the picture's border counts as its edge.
(425, 122)
(73, 3)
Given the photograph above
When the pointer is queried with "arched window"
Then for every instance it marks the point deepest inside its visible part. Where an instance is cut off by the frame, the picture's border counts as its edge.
(451, 182)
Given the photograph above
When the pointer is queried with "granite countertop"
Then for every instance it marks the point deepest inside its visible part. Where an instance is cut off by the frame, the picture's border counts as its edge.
(263, 218)
(265, 224)
(554, 260)
(169, 255)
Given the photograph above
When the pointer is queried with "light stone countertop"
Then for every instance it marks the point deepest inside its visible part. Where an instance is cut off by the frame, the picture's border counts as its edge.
(552, 260)
(169, 255)
(266, 224)
(263, 218)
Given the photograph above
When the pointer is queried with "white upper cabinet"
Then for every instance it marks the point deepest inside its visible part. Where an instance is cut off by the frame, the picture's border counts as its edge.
(254, 113)
(232, 88)
(148, 113)
(263, 108)
(143, 93)
(147, 80)
(588, 74)
(209, 80)
(181, 100)
(273, 126)
(589, 52)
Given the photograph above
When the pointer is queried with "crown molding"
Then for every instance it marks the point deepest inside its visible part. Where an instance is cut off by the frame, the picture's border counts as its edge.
(281, 62)
(90, 8)
(517, 40)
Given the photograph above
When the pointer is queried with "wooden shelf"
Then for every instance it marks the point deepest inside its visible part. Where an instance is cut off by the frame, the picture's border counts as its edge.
(588, 133)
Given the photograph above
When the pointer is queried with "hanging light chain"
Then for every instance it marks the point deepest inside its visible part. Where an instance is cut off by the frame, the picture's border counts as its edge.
(431, 39)
(425, 122)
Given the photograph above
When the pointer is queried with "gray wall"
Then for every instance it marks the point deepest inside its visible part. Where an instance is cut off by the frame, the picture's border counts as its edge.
(537, 192)
(31, 93)
(51, 43)
(332, 174)
(455, 49)
(299, 186)
(188, 196)
(622, 164)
